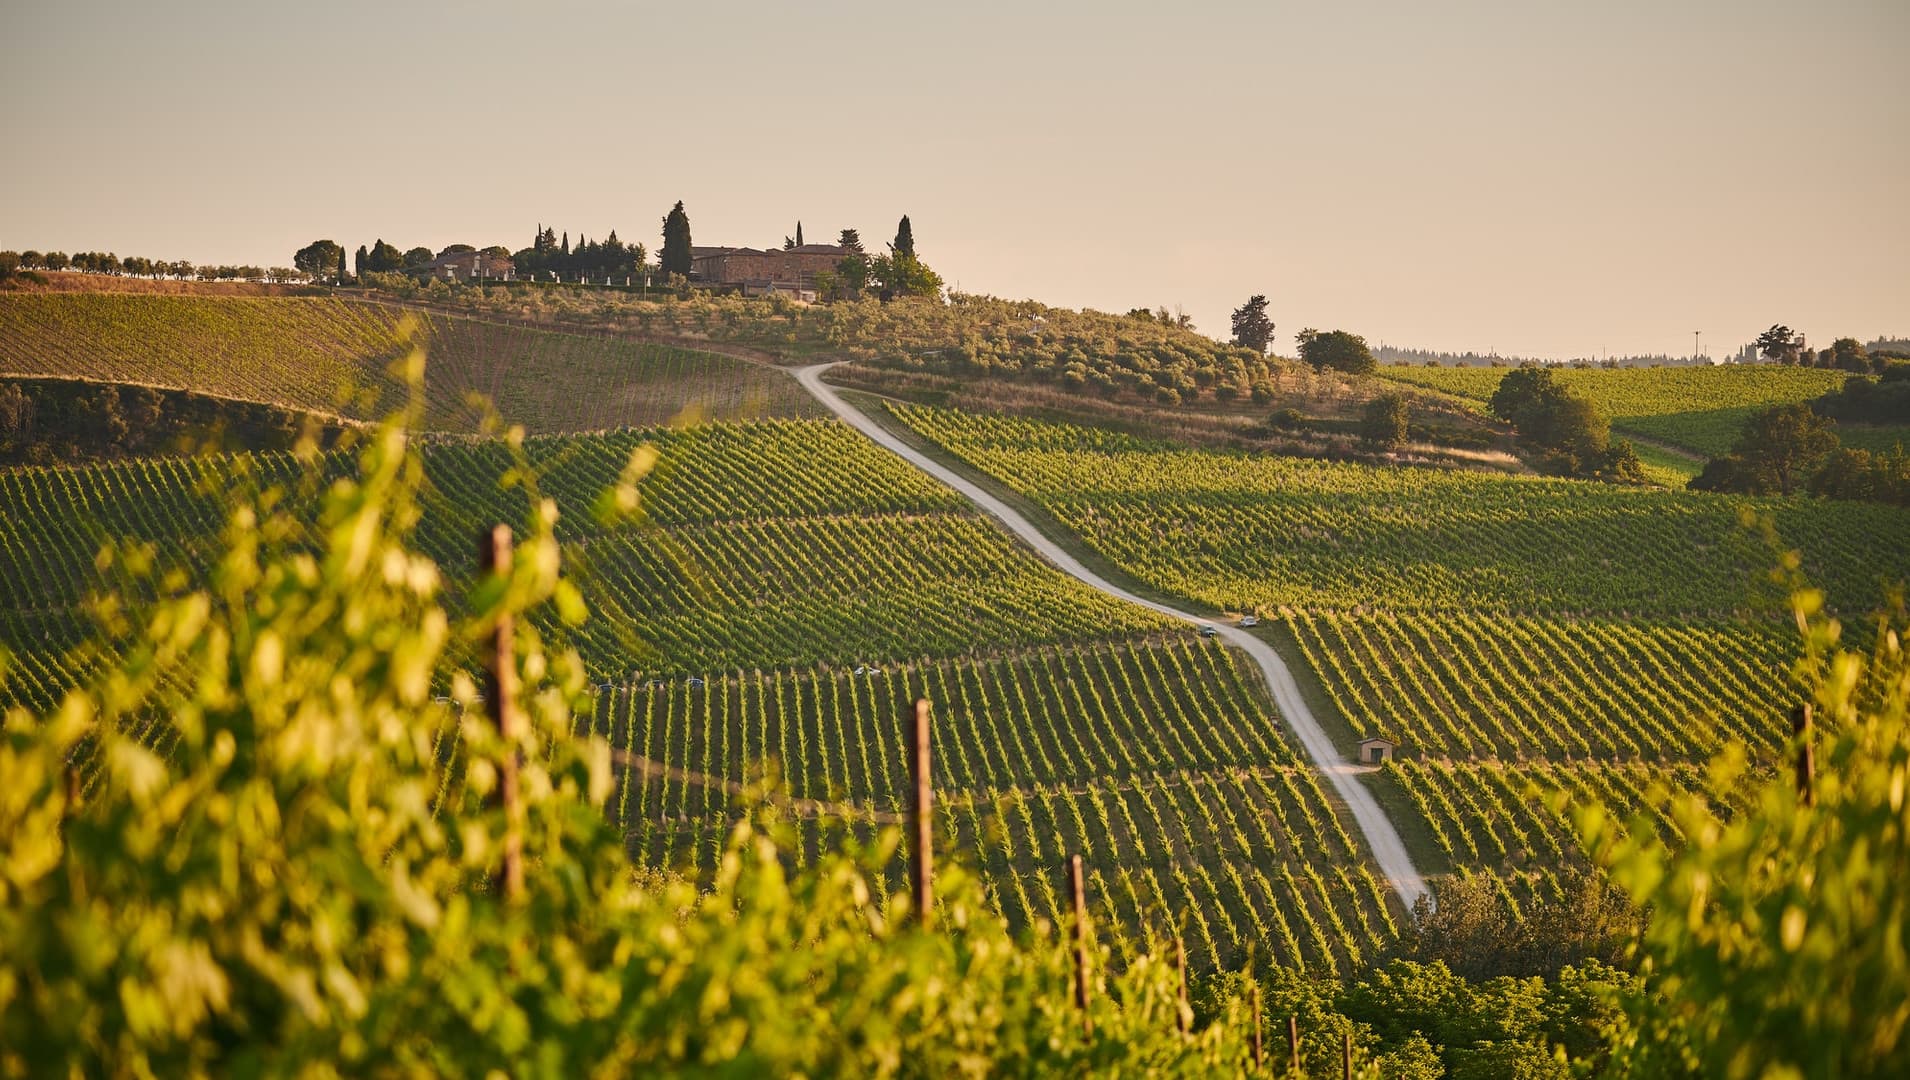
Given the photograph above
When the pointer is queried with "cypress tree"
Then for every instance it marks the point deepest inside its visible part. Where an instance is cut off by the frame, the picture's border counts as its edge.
(675, 256)
(904, 238)
(798, 234)
(359, 261)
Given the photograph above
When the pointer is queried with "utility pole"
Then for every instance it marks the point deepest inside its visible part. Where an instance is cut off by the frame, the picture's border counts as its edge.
(1694, 345)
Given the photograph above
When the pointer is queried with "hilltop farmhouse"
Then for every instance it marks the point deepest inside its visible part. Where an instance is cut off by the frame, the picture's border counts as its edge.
(756, 271)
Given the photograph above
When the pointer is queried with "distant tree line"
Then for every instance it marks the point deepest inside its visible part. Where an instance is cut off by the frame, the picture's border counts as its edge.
(1780, 345)
(62, 421)
(606, 258)
(1394, 354)
(107, 263)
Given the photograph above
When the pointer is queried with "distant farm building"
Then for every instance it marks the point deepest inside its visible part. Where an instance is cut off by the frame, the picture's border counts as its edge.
(1375, 751)
(466, 266)
(761, 271)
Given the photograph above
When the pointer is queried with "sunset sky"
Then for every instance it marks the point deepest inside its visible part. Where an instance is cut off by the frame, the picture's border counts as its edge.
(1540, 179)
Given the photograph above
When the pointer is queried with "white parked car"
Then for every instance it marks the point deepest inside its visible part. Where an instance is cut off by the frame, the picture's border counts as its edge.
(1250, 620)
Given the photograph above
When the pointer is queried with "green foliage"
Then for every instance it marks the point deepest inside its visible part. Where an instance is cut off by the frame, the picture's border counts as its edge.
(1571, 434)
(384, 257)
(900, 274)
(1338, 350)
(320, 259)
(1775, 947)
(1241, 532)
(1780, 450)
(1252, 328)
(259, 878)
(47, 421)
(904, 245)
(1847, 354)
(1866, 400)
(1700, 408)
(1384, 422)
(674, 256)
(1477, 931)
(1864, 476)
(1412, 1020)
(1779, 344)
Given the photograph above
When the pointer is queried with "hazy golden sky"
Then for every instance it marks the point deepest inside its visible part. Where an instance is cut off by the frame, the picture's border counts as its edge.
(1540, 178)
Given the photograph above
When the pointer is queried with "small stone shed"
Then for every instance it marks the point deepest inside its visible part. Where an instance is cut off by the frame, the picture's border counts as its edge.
(1376, 750)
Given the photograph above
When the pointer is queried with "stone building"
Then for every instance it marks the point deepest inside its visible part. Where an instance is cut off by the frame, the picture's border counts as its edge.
(466, 266)
(757, 270)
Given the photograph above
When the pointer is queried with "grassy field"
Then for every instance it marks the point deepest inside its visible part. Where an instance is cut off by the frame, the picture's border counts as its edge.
(1515, 635)
(1698, 408)
(329, 355)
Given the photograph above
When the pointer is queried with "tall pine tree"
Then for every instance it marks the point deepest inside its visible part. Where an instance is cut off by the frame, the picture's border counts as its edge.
(904, 238)
(798, 233)
(675, 256)
(850, 239)
(1252, 328)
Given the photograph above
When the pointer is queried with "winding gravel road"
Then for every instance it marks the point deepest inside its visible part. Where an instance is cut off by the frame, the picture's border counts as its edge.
(1381, 837)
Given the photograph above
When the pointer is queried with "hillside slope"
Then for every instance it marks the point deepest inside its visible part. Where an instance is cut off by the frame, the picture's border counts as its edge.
(328, 355)
(1698, 408)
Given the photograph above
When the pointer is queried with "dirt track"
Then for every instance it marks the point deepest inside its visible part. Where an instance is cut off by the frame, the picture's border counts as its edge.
(1381, 837)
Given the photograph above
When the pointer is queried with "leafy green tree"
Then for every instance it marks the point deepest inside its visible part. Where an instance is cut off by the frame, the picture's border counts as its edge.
(1847, 354)
(1570, 431)
(1383, 422)
(904, 238)
(1337, 350)
(1777, 453)
(851, 239)
(1252, 328)
(385, 257)
(1775, 943)
(851, 276)
(1779, 345)
(319, 259)
(674, 258)
(1863, 476)
(361, 262)
(417, 257)
(1525, 395)
(898, 275)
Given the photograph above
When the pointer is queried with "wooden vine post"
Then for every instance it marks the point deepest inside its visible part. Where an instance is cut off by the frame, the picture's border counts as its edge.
(1346, 1055)
(1293, 1045)
(1182, 1010)
(1079, 888)
(72, 789)
(921, 815)
(1253, 1003)
(500, 694)
(1806, 755)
